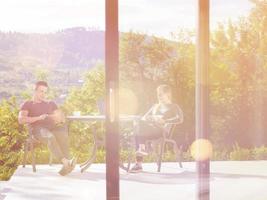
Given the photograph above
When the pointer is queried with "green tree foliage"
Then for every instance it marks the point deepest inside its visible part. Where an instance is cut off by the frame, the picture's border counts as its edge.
(238, 79)
(85, 100)
(41, 74)
(148, 61)
(12, 136)
(144, 63)
(237, 76)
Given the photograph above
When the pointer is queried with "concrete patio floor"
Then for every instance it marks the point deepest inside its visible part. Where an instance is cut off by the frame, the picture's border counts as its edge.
(230, 180)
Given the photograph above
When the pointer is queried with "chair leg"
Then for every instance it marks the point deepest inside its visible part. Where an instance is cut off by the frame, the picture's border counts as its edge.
(50, 158)
(178, 153)
(162, 147)
(26, 147)
(33, 157)
(128, 166)
(180, 157)
(131, 157)
(129, 163)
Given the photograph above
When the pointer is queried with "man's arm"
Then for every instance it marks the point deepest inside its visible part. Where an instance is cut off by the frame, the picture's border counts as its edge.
(58, 116)
(25, 119)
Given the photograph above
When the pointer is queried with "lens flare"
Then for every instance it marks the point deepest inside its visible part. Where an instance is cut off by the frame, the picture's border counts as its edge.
(201, 149)
(128, 101)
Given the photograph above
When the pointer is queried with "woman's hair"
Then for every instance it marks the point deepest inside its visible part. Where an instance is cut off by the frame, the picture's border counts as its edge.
(166, 89)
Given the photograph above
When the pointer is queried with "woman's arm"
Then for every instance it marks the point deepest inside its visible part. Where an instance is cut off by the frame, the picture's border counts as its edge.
(177, 117)
(148, 114)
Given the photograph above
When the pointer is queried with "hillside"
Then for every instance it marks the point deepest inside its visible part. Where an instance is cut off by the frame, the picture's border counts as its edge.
(65, 54)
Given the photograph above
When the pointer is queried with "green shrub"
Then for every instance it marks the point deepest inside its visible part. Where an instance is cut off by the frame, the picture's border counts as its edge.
(239, 153)
(187, 156)
(220, 154)
(42, 155)
(12, 137)
(259, 153)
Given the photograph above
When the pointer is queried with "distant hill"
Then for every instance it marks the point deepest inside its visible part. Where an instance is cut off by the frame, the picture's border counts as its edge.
(74, 47)
(65, 55)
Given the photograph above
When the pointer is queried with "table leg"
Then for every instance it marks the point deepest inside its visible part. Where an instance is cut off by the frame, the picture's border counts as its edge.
(136, 125)
(88, 162)
(128, 166)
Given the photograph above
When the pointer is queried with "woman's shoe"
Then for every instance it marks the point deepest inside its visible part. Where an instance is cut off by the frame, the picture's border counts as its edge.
(136, 168)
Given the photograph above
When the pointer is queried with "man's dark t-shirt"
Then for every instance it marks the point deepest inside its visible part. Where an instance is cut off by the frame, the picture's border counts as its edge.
(37, 109)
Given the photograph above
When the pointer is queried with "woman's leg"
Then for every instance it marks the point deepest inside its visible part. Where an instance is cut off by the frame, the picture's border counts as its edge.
(146, 132)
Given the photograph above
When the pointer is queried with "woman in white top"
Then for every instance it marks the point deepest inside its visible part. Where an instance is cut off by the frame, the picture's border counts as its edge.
(152, 123)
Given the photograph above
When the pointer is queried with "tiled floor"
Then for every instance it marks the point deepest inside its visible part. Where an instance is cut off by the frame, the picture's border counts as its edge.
(229, 181)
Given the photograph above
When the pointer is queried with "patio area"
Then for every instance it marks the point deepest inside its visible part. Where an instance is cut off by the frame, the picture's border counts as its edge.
(228, 179)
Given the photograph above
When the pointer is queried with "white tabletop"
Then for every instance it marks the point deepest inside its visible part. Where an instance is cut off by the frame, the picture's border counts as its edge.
(102, 117)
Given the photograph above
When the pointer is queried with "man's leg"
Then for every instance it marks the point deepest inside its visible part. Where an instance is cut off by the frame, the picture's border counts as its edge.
(46, 137)
(61, 135)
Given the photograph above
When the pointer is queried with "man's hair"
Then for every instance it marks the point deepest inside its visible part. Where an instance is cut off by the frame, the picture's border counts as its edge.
(40, 83)
(164, 88)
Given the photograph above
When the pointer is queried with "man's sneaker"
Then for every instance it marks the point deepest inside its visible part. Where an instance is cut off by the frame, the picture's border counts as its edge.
(64, 170)
(136, 168)
(68, 169)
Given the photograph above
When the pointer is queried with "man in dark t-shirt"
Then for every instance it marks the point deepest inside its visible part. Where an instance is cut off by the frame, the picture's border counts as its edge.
(43, 118)
(36, 109)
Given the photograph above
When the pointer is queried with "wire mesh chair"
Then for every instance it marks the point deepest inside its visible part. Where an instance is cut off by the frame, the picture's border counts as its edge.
(29, 146)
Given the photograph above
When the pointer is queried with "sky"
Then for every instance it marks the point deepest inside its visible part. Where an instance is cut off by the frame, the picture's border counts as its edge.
(158, 17)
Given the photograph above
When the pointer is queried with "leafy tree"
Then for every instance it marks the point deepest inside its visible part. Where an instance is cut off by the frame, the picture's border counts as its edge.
(12, 136)
(147, 61)
(85, 99)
